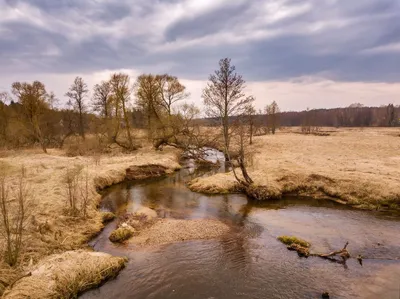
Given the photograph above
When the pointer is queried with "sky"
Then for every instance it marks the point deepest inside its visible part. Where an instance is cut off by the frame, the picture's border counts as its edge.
(300, 53)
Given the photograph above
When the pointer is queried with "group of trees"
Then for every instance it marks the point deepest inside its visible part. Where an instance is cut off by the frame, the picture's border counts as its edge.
(28, 115)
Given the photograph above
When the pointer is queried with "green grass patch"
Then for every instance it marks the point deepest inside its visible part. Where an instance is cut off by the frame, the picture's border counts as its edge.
(107, 217)
(289, 240)
(120, 235)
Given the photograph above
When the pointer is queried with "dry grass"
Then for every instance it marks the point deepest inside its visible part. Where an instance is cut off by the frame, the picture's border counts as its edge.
(358, 166)
(51, 230)
(167, 231)
(66, 275)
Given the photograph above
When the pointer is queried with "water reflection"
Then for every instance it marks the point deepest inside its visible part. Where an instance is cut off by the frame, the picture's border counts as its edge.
(249, 262)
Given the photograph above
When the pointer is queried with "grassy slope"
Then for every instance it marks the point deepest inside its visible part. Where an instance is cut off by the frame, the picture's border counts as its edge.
(357, 166)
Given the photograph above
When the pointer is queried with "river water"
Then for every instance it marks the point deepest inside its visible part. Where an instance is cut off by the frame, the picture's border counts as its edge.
(249, 262)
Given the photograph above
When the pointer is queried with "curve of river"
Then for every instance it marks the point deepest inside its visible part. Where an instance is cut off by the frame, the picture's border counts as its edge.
(249, 262)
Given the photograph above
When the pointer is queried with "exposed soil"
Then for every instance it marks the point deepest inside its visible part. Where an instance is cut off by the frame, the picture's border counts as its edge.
(142, 172)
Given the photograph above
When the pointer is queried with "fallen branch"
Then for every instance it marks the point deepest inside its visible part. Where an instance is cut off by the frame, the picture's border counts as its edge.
(343, 253)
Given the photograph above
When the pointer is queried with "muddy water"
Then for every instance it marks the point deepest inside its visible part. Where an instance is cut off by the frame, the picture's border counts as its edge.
(249, 262)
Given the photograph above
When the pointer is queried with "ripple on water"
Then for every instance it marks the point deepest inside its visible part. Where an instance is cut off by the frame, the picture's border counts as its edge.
(249, 262)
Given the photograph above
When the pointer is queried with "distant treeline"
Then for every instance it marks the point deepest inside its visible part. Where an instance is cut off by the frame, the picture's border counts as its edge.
(355, 115)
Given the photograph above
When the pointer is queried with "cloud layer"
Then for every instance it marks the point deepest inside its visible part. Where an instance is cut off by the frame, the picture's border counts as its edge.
(268, 40)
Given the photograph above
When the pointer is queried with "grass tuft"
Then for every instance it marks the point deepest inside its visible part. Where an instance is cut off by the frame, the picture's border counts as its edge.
(107, 217)
(290, 240)
(120, 235)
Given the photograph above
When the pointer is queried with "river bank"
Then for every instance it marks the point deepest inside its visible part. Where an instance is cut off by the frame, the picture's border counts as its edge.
(248, 260)
(50, 230)
(359, 167)
(340, 166)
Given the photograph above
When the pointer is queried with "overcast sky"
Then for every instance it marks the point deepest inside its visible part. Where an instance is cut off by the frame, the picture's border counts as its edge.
(301, 53)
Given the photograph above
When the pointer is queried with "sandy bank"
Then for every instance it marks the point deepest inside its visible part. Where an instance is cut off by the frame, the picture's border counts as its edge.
(359, 167)
(66, 275)
(167, 231)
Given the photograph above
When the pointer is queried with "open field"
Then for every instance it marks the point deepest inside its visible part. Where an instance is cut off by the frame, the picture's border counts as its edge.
(50, 230)
(356, 166)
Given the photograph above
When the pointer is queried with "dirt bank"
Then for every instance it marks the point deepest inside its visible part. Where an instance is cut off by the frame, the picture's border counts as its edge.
(358, 167)
(66, 275)
(167, 231)
(45, 177)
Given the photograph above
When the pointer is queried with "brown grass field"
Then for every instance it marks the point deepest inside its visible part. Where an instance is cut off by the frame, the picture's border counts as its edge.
(45, 176)
(355, 166)
(360, 167)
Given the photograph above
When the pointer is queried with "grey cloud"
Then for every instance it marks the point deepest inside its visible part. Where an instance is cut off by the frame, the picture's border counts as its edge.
(335, 52)
(207, 23)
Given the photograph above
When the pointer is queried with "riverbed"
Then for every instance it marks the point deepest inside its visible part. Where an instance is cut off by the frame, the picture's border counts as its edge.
(249, 262)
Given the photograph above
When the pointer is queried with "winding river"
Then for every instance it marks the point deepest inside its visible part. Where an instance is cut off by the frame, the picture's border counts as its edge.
(249, 262)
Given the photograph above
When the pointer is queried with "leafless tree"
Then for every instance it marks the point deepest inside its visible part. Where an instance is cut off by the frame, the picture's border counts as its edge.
(121, 89)
(250, 114)
(241, 136)
(148, 99)
(77, 94)
(224, 98)
(102, 95)
(4, 118)
(272, 116)
(15, 211)
(391, 115)
(35, 100)
(84, 190)
(171, 91)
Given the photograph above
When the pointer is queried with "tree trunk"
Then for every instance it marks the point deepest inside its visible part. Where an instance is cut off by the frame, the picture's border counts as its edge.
(81, 128)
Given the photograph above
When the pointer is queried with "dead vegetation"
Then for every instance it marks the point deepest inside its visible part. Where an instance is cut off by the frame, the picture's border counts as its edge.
(303, 250)
(167, 231)
(64, 216)
(358, 167)
(66, 275)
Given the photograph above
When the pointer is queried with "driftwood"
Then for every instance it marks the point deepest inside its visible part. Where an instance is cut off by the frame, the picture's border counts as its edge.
(343, 253)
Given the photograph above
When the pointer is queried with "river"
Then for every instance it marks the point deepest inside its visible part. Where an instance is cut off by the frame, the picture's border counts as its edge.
(249, 262)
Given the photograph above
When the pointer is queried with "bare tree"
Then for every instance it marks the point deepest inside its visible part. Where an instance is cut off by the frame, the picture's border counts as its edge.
(77, 94)
(171, 91)
(121, 89)
(35, 100)
(250, 114)
(272, 118)
(241, 135)
(101, 98)
(4, 117)
(391, 115)
(14, 213)
(224, 98)
(148, 99)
